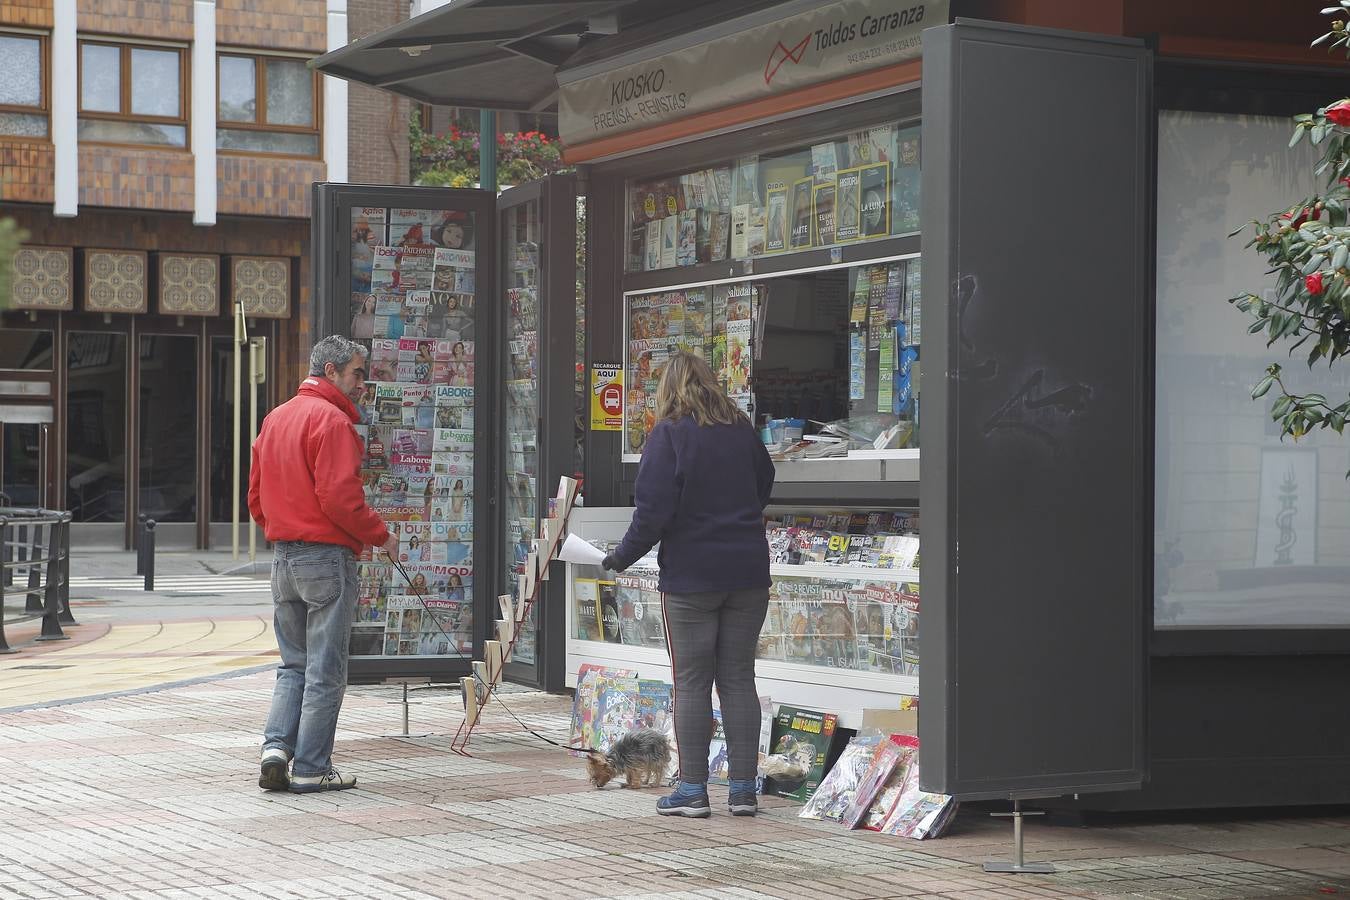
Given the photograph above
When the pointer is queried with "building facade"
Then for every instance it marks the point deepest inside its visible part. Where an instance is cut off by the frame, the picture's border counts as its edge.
(160, 156)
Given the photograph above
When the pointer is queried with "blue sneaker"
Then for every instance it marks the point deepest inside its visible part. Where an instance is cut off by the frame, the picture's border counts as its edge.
(743, 803)
(742, 799)
(687, 800)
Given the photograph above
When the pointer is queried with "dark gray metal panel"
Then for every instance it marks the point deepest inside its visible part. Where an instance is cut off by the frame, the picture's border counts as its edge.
(1038, 173)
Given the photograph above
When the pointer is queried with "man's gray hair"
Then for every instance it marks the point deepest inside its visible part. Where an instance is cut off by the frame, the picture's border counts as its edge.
(334, 349)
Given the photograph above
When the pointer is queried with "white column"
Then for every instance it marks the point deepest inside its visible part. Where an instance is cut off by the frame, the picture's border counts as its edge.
(335, 99)
(65, 84)
(204, 112)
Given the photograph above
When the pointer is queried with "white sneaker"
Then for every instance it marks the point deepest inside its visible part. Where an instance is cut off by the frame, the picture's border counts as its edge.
(274, 776)
(333, 781)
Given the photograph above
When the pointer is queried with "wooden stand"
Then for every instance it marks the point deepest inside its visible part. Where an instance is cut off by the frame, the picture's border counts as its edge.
(477, 688)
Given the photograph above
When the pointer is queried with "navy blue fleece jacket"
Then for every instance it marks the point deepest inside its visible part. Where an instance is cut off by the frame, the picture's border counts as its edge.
(701, 492)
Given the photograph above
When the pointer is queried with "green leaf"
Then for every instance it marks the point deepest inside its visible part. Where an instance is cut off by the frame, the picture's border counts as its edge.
(1262, 387)
(1339, 256)
(1298, 135)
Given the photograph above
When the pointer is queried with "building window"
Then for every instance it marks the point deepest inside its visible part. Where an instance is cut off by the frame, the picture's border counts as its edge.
(267, 104)
(23, 90)
(132, 95)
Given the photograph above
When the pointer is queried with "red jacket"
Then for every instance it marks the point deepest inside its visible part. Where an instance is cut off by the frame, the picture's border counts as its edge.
(305, 480)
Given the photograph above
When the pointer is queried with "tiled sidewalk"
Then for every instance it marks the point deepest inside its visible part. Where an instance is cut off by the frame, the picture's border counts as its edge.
(153, 795)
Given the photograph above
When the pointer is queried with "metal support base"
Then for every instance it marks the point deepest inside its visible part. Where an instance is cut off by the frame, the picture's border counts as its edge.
(405, 682)
(1018, 866)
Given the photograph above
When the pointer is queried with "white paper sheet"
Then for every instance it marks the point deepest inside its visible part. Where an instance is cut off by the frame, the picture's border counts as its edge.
(580, 552)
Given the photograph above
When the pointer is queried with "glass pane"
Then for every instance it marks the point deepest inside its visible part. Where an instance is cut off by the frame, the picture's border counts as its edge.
(238, 89)
(21, 465)
(25, 349)
(838, 347)
(168, 439)
(859, 186)
(520, 257)
(267, 141)
(860, 621)
(154, 83)
(100, 78)
(222, 429)
(96, 439)
(23, 125)
(290, 92)
(418, 425)
(1250, 530)
(21, 61)
(132, 132)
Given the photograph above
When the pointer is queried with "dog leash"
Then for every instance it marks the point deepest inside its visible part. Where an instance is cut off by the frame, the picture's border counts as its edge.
(453, 643)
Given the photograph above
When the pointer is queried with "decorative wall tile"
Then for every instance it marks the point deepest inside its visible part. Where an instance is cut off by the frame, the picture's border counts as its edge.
(263, 284)
(189, 285)
(115, 281)
(42, 278)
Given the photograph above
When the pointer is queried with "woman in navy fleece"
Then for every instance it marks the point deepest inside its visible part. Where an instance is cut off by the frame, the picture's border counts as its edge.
(701, 490)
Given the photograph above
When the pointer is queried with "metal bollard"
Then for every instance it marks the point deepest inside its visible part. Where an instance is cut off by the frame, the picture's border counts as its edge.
(65, 617)
(32, 603)
(51, 596)
(148, 542)
(138, 542)
(4, 646)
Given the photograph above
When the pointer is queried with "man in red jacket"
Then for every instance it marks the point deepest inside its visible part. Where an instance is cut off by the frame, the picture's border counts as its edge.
(304, 489)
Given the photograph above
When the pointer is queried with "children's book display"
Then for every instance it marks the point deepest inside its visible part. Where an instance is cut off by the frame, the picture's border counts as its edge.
(412, 305)
(476, 689)
(857, 187)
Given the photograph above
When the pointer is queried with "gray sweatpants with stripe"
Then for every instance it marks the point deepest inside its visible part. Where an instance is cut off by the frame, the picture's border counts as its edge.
(712, 638)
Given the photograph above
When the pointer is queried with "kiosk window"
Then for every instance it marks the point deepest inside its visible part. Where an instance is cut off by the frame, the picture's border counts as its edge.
(859, 186)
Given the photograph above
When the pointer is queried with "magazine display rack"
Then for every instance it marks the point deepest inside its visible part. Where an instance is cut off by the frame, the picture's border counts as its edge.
(477, 688)
(875, 672)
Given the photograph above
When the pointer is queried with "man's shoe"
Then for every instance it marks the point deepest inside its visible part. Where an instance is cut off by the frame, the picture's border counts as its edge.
(743, 803)
(680, 803)
(333, 781)
(274, 776)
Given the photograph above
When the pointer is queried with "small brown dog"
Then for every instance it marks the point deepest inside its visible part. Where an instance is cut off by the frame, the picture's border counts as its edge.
(641, 756)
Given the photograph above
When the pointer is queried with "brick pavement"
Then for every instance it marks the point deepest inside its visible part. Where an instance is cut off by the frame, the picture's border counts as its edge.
(152, 795)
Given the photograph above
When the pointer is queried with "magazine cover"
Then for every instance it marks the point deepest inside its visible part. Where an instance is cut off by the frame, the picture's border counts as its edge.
(893, 784)
(670, 241)
(804, 739)
(686, 249)
(824, 162)
(585, 705)
(822, 204)
(609, 613)
(801, 219)
(887, 755)
(616, 709)
(875, 203)
(653, 246)
(776, 224)
(586, 595)
(719, 233)
(847, 200)
(738, 356)
(913, 317)
(907, 179)
(703, 232)
(754, 232)
(840, 786)
(745, 182)
(740, 235)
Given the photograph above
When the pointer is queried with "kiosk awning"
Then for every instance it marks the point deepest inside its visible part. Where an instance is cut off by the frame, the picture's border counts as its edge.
(488, 54)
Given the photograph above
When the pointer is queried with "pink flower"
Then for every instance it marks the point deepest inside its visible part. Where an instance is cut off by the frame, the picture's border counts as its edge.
(1313, 283)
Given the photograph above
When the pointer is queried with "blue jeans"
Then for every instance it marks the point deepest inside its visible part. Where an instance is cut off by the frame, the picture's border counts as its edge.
(314, 592)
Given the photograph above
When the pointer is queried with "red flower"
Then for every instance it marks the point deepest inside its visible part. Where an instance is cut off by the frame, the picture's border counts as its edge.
(1339, 112)
(1314, 283)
